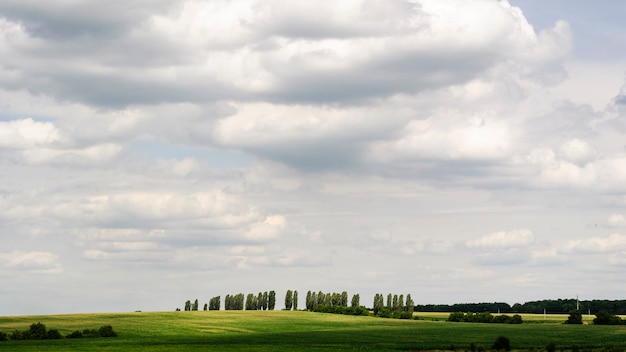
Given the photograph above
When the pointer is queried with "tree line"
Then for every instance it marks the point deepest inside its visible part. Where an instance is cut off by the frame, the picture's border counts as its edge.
(262, 301)
(396, 307)
(484, 317)
(554, 306)
(334, 302)
(392, 304)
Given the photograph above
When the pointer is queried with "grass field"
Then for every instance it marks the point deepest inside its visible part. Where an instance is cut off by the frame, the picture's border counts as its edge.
(299, 331)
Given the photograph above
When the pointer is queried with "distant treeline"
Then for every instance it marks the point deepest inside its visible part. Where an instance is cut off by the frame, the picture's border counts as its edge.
(555, 306)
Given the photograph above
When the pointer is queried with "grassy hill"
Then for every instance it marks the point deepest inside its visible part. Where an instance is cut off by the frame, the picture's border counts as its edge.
(296, 331)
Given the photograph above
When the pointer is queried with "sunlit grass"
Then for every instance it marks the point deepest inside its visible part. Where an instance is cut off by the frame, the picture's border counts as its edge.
(299, 331)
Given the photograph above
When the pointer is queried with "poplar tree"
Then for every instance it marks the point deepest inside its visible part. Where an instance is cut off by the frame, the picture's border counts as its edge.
(375, 306)
(259, 301)
(295, 300)
(271, 300)
(251, 303)
(344, 299)
(355, 301)
(288, 300)
(410, 305)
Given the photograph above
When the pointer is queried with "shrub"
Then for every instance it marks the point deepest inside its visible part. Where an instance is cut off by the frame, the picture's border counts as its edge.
(37, 331)
(516, 319)
(606, 318)
(3, 336)
(550, 347)
(107, 331)
(53, 334)
(75, 335)
(575, 317)
(91, 333)
(502, 319)
(501, 343)
(456, 316)
(19, 335)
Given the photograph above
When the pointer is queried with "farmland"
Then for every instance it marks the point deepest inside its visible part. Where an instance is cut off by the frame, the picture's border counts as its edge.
(302, 331)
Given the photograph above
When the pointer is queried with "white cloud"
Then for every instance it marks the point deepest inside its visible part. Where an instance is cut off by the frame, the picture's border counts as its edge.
(611, 244)
(92, 155)
(504, 239)
(549, 256)
(577, 151)
(616, 220)
(270, 228)
(33, 261)
(27, 133)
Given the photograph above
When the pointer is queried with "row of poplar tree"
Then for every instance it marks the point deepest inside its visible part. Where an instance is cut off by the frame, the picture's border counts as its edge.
(263, 301)
(315, 301)
(395, 305)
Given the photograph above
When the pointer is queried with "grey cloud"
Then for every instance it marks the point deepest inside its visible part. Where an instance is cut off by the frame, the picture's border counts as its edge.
(307, 20)
(68, 20)
(503, 257)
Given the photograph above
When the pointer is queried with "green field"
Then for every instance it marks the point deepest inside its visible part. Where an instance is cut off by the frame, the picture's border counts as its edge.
(299, 331)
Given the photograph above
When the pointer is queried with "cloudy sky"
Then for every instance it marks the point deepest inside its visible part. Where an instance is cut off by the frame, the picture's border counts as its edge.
(154, 151)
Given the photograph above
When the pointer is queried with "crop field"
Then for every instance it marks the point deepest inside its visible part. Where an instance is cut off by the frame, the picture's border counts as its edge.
(301, 331)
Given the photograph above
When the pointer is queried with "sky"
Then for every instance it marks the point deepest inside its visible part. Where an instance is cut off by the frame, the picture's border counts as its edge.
(155, 151)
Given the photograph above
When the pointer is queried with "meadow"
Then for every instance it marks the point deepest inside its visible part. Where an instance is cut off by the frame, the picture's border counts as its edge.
(302, 331)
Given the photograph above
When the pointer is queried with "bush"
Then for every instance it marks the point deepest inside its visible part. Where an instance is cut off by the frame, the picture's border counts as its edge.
(606, 318)
(37, 331)
(3, 336)
(53, 334)
(456, 316)
(516, 319)
(107, 331)
(75, 335)
(19, 335)
(91, 333)
(501, 343)
(550, 347)
(575, 317)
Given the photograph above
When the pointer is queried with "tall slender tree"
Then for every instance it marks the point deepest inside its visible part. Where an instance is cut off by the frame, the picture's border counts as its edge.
(410, 305)
(344, 299)
(271, 300)
(355, 301)
(288, 300)
(259, 301)
(295, 300)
